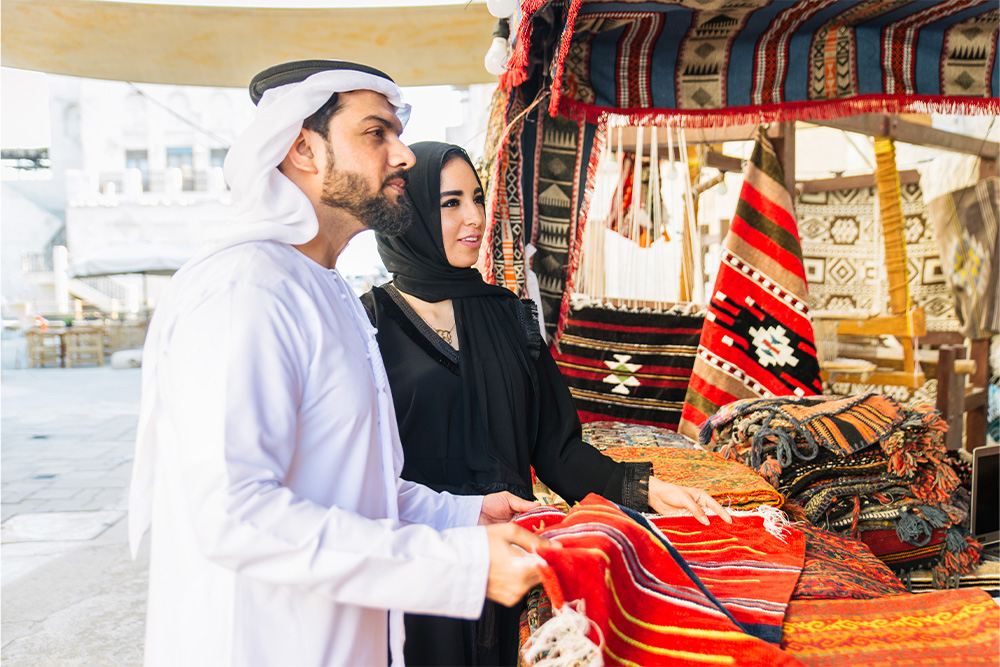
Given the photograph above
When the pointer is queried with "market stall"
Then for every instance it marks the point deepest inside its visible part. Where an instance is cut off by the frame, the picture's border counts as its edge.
(736, 363)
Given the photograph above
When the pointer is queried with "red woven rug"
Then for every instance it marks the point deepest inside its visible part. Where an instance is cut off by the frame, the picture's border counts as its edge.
(957, 627)
(627, 365)
(758, 338)
(653, 605)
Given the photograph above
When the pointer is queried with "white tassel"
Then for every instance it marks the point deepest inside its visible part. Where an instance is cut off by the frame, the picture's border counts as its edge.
(775, 521)
(562, 640)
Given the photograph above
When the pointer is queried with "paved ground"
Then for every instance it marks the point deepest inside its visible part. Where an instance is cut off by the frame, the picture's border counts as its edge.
(71, 595)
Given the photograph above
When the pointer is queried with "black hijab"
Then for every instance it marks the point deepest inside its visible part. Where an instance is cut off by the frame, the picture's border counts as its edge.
(499, 380)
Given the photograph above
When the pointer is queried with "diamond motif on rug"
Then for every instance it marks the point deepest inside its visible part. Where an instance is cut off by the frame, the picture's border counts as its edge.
(622, 373)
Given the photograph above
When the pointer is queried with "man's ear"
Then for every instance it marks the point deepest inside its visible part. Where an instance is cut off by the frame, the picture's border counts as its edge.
(302, 154)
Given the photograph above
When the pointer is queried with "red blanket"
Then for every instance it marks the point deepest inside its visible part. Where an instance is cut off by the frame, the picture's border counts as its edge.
(671, 592)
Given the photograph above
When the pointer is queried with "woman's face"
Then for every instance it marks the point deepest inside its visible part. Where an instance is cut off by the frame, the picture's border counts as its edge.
(463, 213)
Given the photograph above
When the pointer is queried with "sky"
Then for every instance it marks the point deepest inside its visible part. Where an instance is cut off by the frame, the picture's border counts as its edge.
(24, 116)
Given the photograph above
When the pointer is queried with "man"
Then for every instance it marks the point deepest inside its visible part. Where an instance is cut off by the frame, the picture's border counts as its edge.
(267, 457)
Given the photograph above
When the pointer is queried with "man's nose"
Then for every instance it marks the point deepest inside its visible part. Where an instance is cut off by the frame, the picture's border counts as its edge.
(401, 156)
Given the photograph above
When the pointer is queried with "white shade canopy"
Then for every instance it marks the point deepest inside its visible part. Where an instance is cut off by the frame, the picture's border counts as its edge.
(225, 46)
(145, 257)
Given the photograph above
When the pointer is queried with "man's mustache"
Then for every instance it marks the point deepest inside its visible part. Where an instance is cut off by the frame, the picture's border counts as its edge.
(401, 175)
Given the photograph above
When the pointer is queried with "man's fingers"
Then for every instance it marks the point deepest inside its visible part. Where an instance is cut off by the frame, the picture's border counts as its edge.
(519, 504)
(527, 540)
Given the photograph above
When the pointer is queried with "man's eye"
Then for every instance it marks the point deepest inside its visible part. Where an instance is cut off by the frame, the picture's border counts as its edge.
(377, 133)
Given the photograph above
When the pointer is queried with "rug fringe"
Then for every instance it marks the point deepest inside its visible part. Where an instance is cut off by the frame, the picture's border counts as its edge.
(777, 113)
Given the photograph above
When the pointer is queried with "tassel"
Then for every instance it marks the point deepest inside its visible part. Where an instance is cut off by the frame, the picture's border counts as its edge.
(562, 641)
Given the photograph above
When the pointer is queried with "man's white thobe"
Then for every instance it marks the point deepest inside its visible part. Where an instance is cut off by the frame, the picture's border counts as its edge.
(281, 532)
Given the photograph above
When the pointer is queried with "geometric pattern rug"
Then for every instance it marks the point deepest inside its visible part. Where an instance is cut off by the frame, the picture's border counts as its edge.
(844, 262)
(843, 257)
(629, 365)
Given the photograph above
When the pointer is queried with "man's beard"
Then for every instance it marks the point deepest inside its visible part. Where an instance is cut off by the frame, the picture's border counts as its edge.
(348, 191)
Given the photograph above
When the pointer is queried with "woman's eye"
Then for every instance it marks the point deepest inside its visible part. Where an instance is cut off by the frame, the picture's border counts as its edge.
(449, 203)
(480, 200)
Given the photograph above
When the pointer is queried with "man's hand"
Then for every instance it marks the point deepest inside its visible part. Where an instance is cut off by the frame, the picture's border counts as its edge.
(666, 498)
(500, 507)
(512, 570)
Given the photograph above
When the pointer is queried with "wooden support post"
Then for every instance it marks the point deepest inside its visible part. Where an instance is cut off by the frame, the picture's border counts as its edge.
(951, 394)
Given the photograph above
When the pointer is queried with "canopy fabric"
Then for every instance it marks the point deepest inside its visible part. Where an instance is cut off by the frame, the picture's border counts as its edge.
(226, 46)
(161, 259)
(711, 62)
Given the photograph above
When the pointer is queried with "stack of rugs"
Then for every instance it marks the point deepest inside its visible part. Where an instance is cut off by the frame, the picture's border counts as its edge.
(862, 466)
(669, 591)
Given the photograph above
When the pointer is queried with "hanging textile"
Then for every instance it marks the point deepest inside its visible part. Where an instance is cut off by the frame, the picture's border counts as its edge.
(540, 186)
(757, 339)
(629, 365)
(841, 252)
(960, 627)
(670, 591)
(710, 63)
(966, 224)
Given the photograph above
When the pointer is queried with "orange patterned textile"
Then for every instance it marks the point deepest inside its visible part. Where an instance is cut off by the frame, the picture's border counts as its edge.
(730, 482)
(955, 627)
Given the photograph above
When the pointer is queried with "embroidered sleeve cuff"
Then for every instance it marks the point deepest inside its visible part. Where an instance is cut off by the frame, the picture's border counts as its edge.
(635, 485)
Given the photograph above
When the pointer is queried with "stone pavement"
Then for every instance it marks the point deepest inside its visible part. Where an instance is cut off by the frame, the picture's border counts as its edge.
(71, 594)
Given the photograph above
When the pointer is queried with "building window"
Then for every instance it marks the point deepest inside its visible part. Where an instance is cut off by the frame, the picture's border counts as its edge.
(139, 159)
(218, 156)
(183, 159)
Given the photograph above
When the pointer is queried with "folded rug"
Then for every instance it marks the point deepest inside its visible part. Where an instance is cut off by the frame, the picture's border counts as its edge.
(602, 434)
(838, 567)
(731, 483)
(939, 628)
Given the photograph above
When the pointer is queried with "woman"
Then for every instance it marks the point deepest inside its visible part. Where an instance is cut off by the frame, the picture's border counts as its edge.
(478, 398)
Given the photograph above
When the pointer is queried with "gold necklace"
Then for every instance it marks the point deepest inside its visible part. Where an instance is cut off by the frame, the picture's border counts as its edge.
(445, 333)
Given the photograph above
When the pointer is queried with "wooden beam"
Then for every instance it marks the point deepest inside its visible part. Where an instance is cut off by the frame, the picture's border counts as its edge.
(852, 182)
(226, 46)
(885, 325)
(908, 132)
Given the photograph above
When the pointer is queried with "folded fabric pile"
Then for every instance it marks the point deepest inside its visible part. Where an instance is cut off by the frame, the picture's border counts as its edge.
(863, 466)
(668, 590)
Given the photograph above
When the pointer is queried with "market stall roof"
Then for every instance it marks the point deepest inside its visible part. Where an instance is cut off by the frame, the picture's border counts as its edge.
(226, 46)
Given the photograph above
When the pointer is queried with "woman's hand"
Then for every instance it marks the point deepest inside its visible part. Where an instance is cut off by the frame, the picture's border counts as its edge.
(666, 498)
(500, 507)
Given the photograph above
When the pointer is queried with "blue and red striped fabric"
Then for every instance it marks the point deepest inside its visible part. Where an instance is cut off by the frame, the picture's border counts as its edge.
(702, 63)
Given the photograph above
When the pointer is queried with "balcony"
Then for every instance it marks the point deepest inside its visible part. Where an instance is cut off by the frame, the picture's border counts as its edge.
(94, 188)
